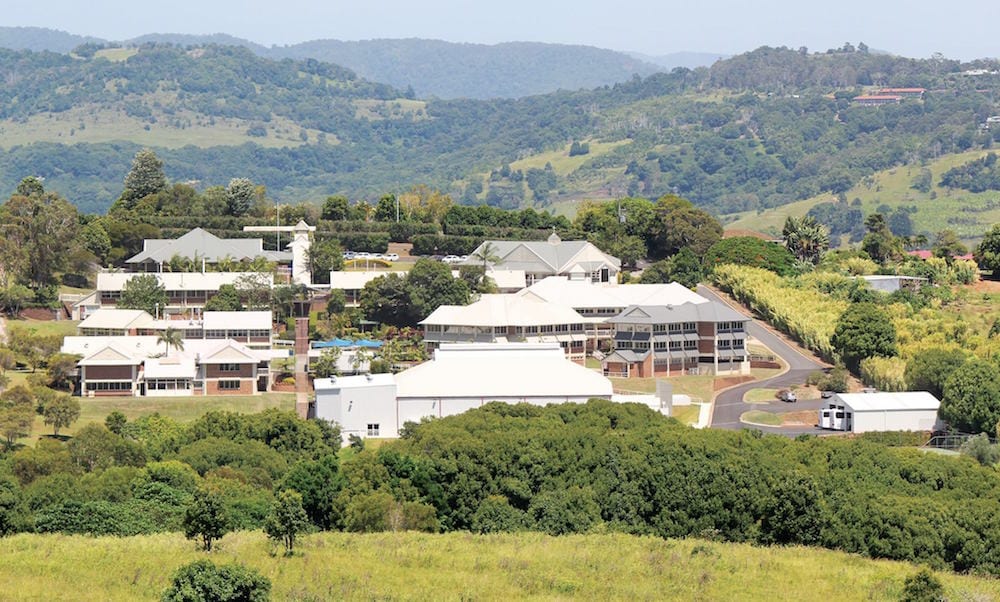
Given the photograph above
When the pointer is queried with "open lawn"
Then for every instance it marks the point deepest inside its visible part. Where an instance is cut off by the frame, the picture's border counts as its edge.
(413, 566)
(44, 327)
(698, 387)
(182, 409)
(760, 395)
(687, 414)
(759, 417)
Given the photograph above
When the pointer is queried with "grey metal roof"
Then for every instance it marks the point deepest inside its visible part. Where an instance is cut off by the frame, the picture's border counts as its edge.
(686, 312)
(628, 355)
(555, 256)
(203, 244)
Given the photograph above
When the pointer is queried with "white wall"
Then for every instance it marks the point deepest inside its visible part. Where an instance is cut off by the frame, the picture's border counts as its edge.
(898, 420)
(354, 408)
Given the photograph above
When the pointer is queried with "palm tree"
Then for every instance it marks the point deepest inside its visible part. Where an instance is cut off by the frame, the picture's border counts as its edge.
(487, 254)
(805, 238)
(171, 337)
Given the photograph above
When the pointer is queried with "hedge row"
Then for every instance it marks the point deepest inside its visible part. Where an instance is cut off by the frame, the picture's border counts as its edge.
(436, 244)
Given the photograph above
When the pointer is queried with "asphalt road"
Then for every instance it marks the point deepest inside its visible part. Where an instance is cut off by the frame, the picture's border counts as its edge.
(729, 404)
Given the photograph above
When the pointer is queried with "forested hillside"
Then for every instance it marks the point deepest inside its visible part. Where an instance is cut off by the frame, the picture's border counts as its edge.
(760, 130)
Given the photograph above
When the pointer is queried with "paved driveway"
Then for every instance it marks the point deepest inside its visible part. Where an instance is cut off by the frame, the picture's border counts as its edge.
(729, 404)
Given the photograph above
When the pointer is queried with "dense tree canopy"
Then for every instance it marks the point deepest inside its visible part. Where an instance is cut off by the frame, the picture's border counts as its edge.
(751, 251)
(864, 330)
(971, 401)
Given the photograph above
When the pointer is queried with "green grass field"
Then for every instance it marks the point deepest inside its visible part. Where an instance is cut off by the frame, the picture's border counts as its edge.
(686, 414)
(760, 395)
(411, 566)
(758, 417)
(45, 327)
(892, 187)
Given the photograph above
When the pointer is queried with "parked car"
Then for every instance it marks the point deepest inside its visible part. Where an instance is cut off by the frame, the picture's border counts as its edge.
(452, 259)
(826, 394)
(787, 395)
(391, 257)
(349, 255)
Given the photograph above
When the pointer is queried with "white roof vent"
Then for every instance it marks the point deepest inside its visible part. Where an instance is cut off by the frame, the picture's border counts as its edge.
(554, 238)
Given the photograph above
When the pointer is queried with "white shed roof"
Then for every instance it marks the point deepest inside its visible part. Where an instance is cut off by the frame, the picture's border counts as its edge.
(354, 382)
(513, 370)
(172, 281)
(169, 367)
(237, 320)
(504, 310)
(889, 401)
(141, 346)
(355, 280)
(581, 293)
(118, 319)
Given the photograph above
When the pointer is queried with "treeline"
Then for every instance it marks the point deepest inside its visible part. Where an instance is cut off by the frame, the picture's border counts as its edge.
(978, 175)
(561, 469)
(126, 478)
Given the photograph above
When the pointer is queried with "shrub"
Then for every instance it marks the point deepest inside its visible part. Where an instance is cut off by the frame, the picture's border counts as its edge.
(203, 581)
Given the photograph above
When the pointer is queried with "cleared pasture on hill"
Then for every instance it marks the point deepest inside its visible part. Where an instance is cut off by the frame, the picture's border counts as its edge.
(969, 214)
(180, 128)
(561, 162)
(410, 566)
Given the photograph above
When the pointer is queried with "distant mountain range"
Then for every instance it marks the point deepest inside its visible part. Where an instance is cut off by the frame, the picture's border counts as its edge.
(431, 68)
(688, 60)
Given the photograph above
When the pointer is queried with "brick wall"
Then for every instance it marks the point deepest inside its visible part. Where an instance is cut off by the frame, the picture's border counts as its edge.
(246, 388)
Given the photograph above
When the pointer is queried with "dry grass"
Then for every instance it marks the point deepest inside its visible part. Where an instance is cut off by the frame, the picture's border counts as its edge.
(410, 566)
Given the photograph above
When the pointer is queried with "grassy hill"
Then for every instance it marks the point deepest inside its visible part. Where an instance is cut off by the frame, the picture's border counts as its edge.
(969, 214)
(411, 566)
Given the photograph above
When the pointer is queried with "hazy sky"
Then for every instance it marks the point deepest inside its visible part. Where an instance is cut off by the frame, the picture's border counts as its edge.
(958, 28)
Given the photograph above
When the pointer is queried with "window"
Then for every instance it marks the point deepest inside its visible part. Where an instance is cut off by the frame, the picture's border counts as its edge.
(433, 328)
(531, 330)
(690, 345)
(675, 345)
(229, 368)
(372, 430)
(659, 327)
(690, 327)
(724, 344)
(546, 328)
(737, 343)
(109, 386)
(229, 385)
(674, 328)
(499, 330)
(660, 345)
